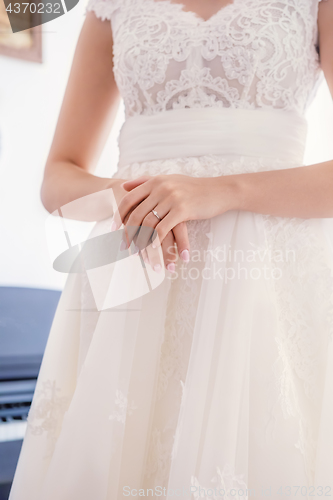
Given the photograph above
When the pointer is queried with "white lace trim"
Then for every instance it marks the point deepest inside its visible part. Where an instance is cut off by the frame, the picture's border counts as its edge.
(104, 8)
(203, 166)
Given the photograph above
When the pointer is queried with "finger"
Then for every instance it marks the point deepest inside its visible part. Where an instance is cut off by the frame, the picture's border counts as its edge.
(125, 240)
(145, 255)
(143, 237)
(168, 222)
(149, 224)
(133, 183)
(129, 202)
(169, 252)
(155, 257)
(182, 241)
(142, 221)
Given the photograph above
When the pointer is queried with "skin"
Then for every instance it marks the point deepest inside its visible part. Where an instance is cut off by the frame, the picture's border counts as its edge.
(90, 104)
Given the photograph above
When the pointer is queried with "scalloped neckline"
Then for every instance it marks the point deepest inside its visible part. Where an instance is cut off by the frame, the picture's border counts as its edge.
(194, 14)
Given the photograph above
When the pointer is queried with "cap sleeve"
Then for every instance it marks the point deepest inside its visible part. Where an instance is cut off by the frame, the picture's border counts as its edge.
(103, 8)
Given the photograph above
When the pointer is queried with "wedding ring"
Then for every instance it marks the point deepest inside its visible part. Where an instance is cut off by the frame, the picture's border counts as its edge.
(156, 214)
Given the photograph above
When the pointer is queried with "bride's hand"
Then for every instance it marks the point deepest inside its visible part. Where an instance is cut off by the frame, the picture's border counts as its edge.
(176, 199)
(169, 249)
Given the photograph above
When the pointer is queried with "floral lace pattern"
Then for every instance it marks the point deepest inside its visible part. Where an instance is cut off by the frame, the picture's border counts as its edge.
(158, 461)
(226, 484)
(175, 351)
(46, 413)
(123, 408)
(306, 285)
(183, 304)
(250, 54)
(203, 166)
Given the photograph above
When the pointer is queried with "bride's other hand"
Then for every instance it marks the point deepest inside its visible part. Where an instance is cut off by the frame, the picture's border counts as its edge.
(152, 257)
(176, 199)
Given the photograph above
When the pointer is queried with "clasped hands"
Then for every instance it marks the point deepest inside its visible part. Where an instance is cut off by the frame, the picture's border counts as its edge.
(176, 199)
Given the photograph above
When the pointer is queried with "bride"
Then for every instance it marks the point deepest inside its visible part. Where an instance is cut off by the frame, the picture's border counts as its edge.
(216, 381)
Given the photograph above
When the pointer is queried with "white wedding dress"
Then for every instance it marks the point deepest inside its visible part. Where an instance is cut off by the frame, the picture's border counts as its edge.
(220, 378)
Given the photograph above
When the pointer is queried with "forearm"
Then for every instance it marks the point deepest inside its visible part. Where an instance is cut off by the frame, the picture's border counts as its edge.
(65, 182)
(304, 192)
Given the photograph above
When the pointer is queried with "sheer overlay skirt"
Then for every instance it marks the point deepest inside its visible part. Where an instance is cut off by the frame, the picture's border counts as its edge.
(215, 384)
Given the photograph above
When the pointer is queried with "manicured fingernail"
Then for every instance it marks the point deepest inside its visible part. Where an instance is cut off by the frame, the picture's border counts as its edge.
(171, 267)
(153, 245)
(122, 245)
(113, 226)
(136, 249)
(157, 268)
(185, 255)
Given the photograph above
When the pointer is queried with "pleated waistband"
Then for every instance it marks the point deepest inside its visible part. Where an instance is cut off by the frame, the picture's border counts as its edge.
(261, 133)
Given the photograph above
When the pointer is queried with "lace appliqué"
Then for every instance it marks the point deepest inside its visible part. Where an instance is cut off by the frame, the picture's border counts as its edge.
(304, 298)
(225, 484)
(181, 310)
(123, 408)
(46, 413)
(251, 54)
(158, 461)
(190, 91)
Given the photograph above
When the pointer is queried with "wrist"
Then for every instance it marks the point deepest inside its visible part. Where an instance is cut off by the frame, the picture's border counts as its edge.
(113, 181)
(104, 199)
(239, 192)
(232, 190)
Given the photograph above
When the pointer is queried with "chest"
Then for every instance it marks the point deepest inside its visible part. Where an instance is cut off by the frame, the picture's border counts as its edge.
(262, 27)
(247, 53)
(202, 9)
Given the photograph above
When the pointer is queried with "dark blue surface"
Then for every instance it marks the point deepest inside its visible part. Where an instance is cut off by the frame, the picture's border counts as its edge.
(26, 316)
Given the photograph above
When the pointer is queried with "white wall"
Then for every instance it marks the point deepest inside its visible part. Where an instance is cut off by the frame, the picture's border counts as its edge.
(30, 98)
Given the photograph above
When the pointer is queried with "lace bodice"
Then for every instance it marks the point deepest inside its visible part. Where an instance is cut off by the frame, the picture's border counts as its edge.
(250, 54)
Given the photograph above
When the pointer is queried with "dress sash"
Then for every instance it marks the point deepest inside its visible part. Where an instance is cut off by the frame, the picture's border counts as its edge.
(263, 133)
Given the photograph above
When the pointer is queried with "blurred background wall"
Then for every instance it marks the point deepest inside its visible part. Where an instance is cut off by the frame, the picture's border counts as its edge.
(30, 99)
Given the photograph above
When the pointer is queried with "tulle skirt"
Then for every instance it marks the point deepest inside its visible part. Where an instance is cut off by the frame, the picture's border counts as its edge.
(213, 382)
